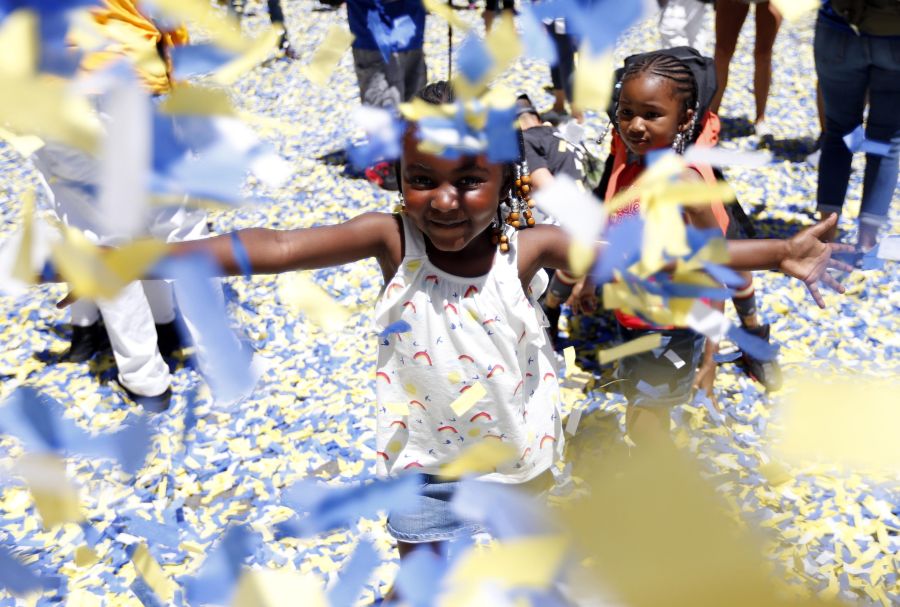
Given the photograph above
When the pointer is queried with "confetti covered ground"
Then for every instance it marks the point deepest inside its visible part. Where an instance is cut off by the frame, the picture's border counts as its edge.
(312, 414)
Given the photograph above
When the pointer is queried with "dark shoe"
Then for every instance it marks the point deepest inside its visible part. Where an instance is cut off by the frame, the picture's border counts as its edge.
(86, 342)
(552, 315)
(766, 372)
(335, 158)
(151, 404)
(168, 339)
(286, 48)
(383, 175)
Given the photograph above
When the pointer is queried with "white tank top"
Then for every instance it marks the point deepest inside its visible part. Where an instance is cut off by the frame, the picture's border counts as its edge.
(464, 331)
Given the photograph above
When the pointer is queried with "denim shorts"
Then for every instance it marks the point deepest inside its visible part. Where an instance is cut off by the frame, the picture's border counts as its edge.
(431, 518)
(664, 376)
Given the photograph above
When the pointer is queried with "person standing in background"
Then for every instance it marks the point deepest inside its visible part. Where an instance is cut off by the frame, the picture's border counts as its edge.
(730, 17)
(276, 16)
(857, 48)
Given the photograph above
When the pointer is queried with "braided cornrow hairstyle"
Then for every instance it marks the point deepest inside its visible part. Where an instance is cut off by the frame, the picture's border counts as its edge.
(676, 71)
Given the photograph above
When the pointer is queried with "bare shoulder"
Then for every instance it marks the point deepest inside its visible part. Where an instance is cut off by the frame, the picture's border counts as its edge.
(543, 246)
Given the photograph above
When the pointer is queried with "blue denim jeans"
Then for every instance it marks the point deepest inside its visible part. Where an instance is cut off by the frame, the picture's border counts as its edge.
(849, 66)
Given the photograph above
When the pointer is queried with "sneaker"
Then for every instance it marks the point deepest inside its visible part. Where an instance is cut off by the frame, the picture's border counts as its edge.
(766, 372)
(383, 175)
(86, 342)
(764, 133)
(151, 404)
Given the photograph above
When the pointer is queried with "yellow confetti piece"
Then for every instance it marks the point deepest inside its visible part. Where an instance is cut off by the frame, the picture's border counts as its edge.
(481, 458)
(26, 145)
(794, 9)
(23, 268)
(259, 50)
(446, 13)
(303, 295)
(153, 574)
(85, 556)
(569, 357)
(275, 587)
(191, 100)
(528, 563)
(593, 80)
(55, 498)
(327, 56)
(468, 398)
(849, 422)
(581, 256)
(19, 44)
(635, 346)
(95, 274)
(401, 409)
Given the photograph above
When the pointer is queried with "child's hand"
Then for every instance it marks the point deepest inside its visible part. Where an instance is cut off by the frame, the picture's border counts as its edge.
(583, 299)
(808, 258)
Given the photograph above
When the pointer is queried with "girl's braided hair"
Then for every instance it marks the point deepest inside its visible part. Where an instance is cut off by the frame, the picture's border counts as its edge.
(666, 66)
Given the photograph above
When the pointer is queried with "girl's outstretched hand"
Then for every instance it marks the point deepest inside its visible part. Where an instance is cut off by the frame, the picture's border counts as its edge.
(808, 258)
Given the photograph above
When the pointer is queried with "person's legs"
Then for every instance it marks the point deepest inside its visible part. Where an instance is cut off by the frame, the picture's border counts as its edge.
(413, 75)
(161, 299)
(132, 334)
(375, 88)
(843, 73)
(276, 15)
(883, 124)
(768, 20)
(730, 16)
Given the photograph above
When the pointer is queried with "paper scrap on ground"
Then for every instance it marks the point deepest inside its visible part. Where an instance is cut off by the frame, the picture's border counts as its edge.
(153, 574)
(889, 248)
(55, 497)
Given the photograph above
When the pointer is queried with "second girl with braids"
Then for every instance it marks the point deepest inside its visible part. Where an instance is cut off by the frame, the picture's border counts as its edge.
(662, 103)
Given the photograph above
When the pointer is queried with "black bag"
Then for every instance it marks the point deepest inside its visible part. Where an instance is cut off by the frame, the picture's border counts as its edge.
(874, 17)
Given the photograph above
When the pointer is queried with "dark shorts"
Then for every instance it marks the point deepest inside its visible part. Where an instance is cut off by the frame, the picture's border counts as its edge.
(664, 376)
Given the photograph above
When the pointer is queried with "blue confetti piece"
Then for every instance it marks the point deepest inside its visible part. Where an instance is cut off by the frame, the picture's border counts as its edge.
(624, 248)
(17, 577)
(401, 326)
(420, 573)
(651, 391)
(599, 23)
(536, 41)
(240, 255)
(751, 345)
(393, 38)
(727, 357)
(197, 59)
(329, 507)
(726, 276)
(354, 575)
(144, 593)
(217, 577)
(37, 420)
(381, 145)
(856, 141)
(504, 511)
(473, 60)
(502, 135)
(227, 366)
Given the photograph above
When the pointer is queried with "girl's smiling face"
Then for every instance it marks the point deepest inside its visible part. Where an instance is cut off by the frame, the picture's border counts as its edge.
(451, 201)
(650, 113)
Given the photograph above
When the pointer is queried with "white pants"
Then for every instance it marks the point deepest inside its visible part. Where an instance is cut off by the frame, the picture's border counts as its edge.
(683, 23)
(70, 176)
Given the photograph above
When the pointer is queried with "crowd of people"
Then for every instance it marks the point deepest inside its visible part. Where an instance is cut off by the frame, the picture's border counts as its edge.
(479, 288)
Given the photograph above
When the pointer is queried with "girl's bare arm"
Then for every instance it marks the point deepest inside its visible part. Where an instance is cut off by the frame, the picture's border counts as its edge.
(272, 251)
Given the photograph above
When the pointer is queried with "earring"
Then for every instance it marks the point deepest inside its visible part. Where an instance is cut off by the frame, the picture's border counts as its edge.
(401, 203)
(678, 143)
